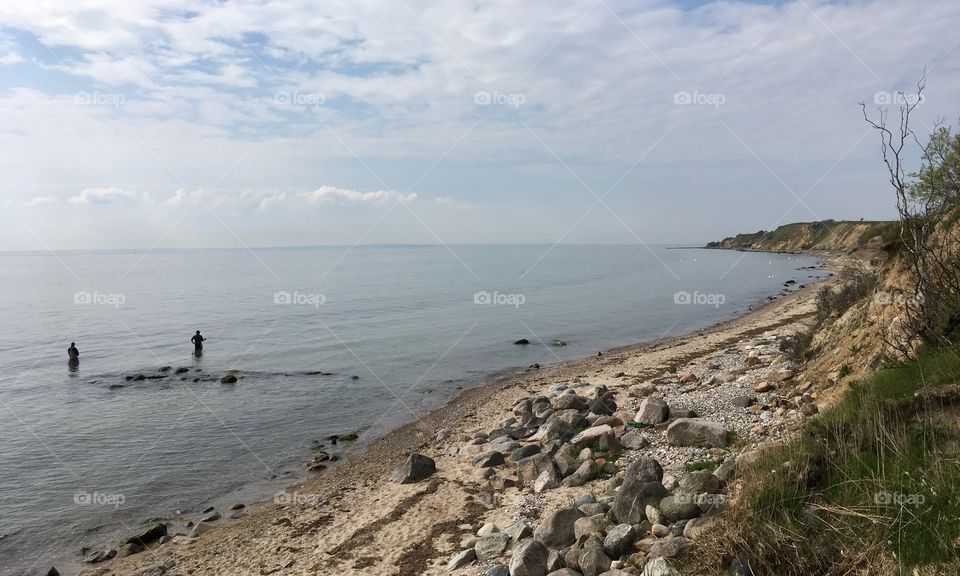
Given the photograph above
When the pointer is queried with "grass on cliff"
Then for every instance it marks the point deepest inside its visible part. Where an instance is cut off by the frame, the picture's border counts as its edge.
(872, 486)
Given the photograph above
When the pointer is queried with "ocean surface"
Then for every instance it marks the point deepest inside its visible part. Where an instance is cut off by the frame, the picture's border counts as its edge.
(323, 341)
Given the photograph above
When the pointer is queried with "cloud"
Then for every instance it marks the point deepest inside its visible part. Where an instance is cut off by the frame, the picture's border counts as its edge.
(342, 195)
(43, 201)
(104, 196)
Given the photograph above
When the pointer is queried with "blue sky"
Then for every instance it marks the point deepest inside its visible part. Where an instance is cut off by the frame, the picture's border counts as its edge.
(243, 123)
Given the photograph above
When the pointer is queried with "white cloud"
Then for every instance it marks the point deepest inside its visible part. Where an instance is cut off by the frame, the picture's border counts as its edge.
(43, 201)
(374, 197)
(104, 196)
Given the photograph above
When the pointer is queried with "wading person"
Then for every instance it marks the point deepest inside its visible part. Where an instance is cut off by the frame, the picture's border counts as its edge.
(197, 343)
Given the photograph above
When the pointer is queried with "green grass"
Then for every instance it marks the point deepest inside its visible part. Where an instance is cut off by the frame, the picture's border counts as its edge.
(875, 477)
(701, 465)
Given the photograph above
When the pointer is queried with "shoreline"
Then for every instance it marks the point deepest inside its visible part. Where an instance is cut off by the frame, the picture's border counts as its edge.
(362, 470)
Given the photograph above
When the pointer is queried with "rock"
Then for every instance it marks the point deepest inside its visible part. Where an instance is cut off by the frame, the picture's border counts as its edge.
(686, 377)
(619, 540)
(518, 530)
(593, 435)
(524, 452)
(743, 401)
(158, 569)
(487, 529)
(594, 562)
(491, 546)
(670, 482)
(751, 361)
(565, 572)
(660, 530)
(490, 460)
(634, 440)
(642, 390)
(129, 550)
(696, 432)
(641, 486)
(547, 480)
(653, 514)
(701, 481)
(726, 470)
(556, 529)
(679, 507)
(682, 413)
(697, 526)
(529, 469)
(53, 571)
(101, 555)
(670, 547)
(181, 370)
(652, 411)
(586, 526)
(211, 517)
(529, 559)
(152, 533)
(763, 386)
(415, 468)
(497, 570)
(778, 376)
(461, 559)
(570, 402)
(659, 567)
(522, 342)
(228, 379)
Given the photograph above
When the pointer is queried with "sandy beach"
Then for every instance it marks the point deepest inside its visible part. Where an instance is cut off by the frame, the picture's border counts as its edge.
(350, 519)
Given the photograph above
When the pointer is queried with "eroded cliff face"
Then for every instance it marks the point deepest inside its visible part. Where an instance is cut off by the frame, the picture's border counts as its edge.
(825, 236)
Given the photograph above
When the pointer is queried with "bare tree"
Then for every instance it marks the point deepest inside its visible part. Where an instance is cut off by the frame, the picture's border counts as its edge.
(924, 202)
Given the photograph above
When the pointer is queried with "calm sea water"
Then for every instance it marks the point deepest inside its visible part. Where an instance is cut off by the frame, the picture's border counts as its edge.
(88, 456)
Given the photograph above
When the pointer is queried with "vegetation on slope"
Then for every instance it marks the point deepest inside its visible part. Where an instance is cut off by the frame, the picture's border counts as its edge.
(825, 235)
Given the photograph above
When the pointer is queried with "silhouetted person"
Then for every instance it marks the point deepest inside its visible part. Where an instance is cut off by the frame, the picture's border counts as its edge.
(73, 353)
(197, 343)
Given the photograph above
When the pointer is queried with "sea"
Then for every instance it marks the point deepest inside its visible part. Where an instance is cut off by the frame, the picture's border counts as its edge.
(321, 340)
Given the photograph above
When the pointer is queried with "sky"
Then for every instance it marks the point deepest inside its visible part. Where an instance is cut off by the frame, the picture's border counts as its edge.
(241, 123)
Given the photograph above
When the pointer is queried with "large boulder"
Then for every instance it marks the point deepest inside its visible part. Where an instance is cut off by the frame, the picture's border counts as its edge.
(679, 507)
(670, 547)
(659, 566)
(619, 540)
(696, 432)
(155, 532)
(556, 529)
(701, 481)
(594, 562)
(594, 435)
(641, 487)
(652, 411)
(415, 468)
(529, 559)
(570, 402)
(530, 468)
(491, 546)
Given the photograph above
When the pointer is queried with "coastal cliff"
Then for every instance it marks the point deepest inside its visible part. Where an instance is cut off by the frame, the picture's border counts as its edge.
(843, 236)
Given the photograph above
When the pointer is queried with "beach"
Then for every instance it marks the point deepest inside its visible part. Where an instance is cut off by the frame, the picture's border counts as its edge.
(349, 519)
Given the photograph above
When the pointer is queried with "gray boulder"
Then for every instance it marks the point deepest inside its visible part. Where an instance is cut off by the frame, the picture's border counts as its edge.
(679, 507)
(491, 546)
(556, 529)
(701, 481)
(461, 559)
(594, 562)
(619, 540)
(415, 468)
(529, 559)
(696, 432)
(641, 486)
(652, 411)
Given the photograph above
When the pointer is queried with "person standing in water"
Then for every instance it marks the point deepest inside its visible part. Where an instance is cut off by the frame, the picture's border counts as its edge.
(73, 353)
(197, 343)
